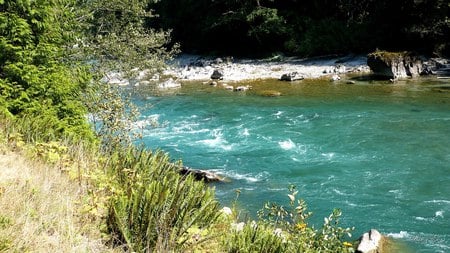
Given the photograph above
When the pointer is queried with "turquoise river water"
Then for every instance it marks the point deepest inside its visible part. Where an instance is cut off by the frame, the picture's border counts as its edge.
(379, 152)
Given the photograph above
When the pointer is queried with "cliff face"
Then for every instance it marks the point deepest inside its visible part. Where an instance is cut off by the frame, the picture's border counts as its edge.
(394, 65)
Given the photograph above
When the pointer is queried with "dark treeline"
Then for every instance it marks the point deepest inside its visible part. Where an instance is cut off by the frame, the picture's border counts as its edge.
(306, 28)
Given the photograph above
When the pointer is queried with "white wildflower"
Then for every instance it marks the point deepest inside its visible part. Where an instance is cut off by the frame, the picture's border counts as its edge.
(226, 210)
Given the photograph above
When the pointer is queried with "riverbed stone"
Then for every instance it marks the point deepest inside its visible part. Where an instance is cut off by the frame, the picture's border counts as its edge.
(242, 88)
(335, 78)
(217, 74)
(292, 76)
(394, 65)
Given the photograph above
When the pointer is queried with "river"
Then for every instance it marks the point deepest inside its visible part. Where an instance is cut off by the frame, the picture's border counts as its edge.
(378, 151)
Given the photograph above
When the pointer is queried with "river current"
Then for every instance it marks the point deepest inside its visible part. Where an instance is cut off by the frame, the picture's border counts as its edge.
(380, 152)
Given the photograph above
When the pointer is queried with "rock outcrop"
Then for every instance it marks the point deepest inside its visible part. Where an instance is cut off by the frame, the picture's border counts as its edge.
(371, 242)
(394, 65)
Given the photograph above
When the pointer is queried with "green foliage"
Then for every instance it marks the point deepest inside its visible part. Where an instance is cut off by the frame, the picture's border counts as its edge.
(51, 152)
(5, 242)
(328, 36)
(156, 207)
(255, 237)
(114, 37)
(112, 115)
(266, 25)
(286, 229)
(33, 83)
(307, 27)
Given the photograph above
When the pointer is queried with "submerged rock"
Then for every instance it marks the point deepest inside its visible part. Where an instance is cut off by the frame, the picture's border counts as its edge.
(394, 65)
(228, 87)
(270, 93)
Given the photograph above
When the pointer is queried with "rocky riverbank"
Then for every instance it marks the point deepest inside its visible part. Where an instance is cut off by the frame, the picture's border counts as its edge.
(194, 67)
(187, 67)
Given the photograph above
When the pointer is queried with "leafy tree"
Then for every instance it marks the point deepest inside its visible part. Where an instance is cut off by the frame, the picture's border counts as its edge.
(307, 27)
(112, 38)
(34, 80)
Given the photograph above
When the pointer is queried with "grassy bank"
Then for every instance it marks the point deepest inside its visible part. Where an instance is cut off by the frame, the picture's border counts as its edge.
(41, 205)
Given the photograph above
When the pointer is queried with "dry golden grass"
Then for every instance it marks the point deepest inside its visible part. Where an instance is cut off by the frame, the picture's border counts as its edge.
(40, 210)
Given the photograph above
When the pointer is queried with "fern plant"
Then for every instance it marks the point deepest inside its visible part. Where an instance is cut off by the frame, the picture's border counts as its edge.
(157, 207)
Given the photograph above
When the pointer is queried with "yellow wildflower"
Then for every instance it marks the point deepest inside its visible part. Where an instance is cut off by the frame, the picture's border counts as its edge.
(300, 226)
(347, 244)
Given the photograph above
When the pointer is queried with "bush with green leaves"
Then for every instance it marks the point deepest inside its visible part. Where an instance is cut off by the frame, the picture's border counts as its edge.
(286, 229)
(34, 80)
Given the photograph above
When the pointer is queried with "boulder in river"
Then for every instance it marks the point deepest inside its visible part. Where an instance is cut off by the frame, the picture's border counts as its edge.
(217, 74)
(371, 242)
(292, 76)
(201, 175)
(394, 65)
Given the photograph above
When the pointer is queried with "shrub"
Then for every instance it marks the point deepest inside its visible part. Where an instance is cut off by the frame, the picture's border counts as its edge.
(286, 229)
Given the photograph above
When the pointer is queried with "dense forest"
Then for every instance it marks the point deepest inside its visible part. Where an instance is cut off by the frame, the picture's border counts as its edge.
(306, 28)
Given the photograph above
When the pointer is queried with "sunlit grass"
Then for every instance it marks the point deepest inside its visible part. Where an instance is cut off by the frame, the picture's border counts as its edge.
(41, 208)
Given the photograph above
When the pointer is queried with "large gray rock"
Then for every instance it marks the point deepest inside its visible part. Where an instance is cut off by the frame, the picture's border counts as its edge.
(201, 175)
(293, 76)
(370, 242)
(217, 74)
(393, 65)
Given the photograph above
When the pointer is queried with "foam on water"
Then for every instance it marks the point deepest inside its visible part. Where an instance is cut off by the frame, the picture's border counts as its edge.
(217, 141)
(245, 132)
(147, 122)
(401, 234)
(248, 177)
(439, 201)
(439, 214)
(433, 241)
(287, 145)
(329, 156)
